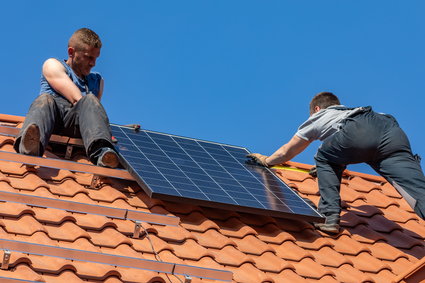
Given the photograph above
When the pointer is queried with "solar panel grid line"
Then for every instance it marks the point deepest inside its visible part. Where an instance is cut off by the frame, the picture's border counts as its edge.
(200, 191)
(204, 171)
(207, 173)
(261, 183)
(235, 198)
(131, 140)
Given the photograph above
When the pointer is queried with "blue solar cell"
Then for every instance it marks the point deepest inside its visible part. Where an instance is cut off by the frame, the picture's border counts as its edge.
(189, 170)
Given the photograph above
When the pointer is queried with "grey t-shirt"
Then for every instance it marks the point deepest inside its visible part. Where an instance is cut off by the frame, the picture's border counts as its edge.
(325, 123)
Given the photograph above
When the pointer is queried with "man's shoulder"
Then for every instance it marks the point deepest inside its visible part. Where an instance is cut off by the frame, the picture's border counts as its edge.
(53, 63)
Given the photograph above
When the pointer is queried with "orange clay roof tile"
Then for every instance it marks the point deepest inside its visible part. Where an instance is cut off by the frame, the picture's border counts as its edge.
(381, 236)
(213, 239)
(270, 262)
(308, 268)
(348, 273)
(327, 256)
(270, 233)
(290, 251)
(252, 245)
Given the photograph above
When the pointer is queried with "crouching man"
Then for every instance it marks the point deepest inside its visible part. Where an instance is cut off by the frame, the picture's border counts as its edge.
(69, 104)
(352, 135)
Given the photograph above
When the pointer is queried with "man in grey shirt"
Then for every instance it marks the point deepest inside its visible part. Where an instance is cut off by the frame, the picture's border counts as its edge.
(350, 136)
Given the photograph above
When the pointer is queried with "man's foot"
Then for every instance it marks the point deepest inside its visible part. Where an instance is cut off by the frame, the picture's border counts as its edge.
(331, 224)
(30, 141)
(108, 158)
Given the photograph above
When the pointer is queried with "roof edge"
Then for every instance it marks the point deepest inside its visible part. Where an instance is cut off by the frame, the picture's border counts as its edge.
(416, 273)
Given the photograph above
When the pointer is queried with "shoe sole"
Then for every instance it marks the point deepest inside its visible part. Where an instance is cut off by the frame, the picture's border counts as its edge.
(328, 228)
(110, 159)
(31, 140)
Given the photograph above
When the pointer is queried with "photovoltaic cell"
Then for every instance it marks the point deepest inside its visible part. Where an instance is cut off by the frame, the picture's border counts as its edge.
(206, 173)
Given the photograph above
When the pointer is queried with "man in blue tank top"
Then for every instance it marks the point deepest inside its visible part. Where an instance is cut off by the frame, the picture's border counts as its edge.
(69, 104)
(350, 136)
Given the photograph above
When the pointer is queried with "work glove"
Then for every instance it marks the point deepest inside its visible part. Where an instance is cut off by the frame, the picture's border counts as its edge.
(258, 158)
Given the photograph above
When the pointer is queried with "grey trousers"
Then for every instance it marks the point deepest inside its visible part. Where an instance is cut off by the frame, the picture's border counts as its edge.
(377, 140)
(87, 119)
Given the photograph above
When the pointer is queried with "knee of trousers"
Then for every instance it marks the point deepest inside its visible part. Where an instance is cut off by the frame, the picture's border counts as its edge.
(43, 100)
(90, 98)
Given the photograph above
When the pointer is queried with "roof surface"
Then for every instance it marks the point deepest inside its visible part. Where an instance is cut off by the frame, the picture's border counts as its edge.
(382, 239)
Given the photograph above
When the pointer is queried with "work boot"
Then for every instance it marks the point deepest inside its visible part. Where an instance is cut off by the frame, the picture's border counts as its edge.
(30, 141)
(108, 158)
(331, 224)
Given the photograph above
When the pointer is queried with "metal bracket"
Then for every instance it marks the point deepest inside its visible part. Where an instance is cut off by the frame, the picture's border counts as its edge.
(6, 259)
(94, 181)
(137, 227)
(187, 279)
(68, 152)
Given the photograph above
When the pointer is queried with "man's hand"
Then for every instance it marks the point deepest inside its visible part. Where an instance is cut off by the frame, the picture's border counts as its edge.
(258, 158)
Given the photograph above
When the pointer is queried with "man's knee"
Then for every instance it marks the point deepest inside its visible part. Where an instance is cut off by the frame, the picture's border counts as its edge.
(89, 99)
(43, 100)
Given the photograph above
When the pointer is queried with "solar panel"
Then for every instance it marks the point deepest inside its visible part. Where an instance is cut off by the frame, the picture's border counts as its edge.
(181, 169)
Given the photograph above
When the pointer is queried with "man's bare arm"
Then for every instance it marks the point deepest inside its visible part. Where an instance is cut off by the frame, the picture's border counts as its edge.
(55, 74)
(288, 151)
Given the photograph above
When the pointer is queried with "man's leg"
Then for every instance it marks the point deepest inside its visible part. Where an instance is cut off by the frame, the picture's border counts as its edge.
(88, 117)
(38, 126)
(402, 169)
(354, 143)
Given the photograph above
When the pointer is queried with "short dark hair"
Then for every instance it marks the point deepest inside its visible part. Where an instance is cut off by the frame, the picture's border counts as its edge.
(84, 36)
(323, 100)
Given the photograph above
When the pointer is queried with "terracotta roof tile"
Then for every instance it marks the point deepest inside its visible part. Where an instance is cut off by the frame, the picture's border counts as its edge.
(365, 234)
(329, 257)
(235, 228)
(398, 266)
(385, 251)
(252, 245)
(108, 237)
(106, 194)
(361, 185)
(348, 194)
(247, 273)
(348, 273)
(365, 262)
(377, 198)
(197, 222)
(394, 213)
(67, 231)
(270, 233)
(24, 225)
(311, 269)
(23, 272)
(400, 240)
(190, 249)
(308, 186)
(389, 190)
(229, 255)
(68, 187)
(213, 239)
(287, 276)
(290, 251)
(383, 276)
(348, 246)
(269, 262)
(143, 244)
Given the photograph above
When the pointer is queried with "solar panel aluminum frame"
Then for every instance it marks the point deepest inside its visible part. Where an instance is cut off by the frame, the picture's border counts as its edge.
(268, 178)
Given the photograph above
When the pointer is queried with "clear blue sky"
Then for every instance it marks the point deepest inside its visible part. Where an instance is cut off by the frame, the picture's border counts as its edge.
(237, 72)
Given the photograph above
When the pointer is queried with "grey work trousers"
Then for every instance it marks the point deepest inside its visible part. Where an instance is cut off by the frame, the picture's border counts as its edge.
(87, 119)
(377, 140)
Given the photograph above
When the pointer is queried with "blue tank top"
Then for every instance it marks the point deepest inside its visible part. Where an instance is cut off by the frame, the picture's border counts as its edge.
(91, 83)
